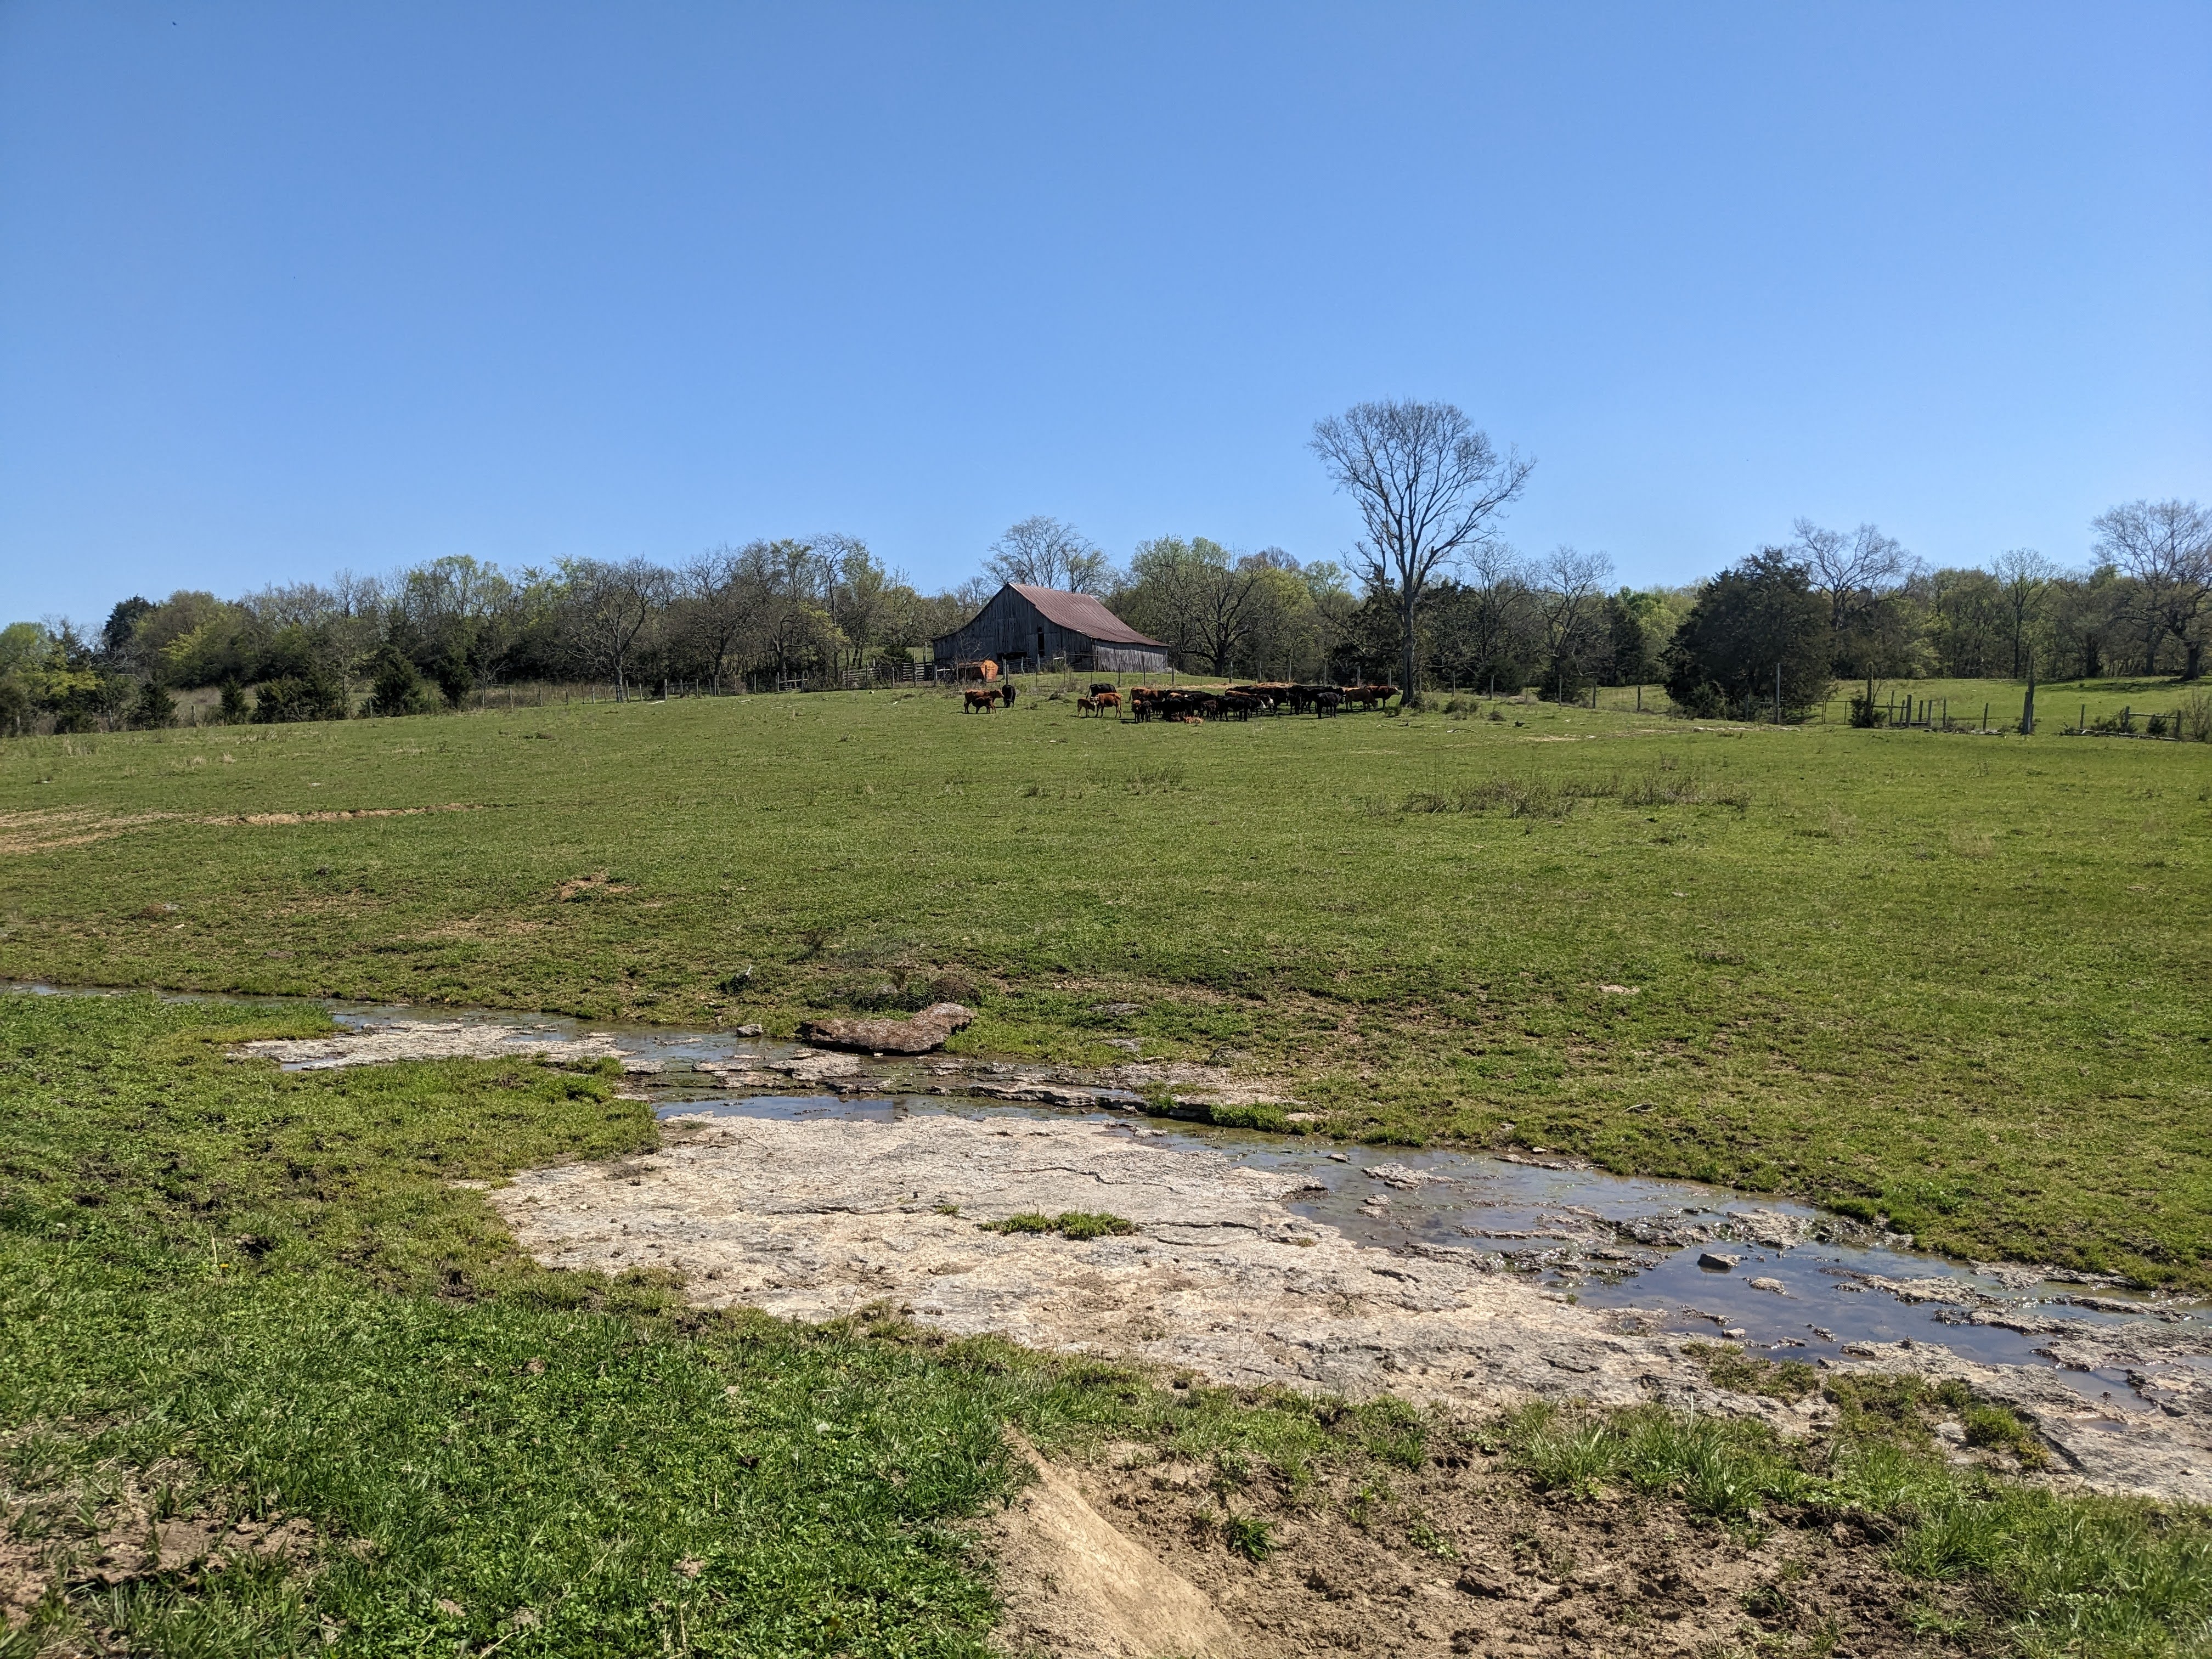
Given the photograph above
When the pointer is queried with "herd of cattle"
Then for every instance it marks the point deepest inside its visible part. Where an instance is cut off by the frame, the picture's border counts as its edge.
(1236, 702)
(1196, 704)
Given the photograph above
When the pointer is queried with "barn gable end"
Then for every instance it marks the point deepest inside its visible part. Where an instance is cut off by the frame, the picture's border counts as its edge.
(1026, 626)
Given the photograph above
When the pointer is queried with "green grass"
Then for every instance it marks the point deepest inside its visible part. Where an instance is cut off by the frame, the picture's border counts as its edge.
(1073, 1223)
(2060, 705)
(1959, 982)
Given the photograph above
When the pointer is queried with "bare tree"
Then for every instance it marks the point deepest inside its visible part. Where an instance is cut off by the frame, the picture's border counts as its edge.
(2025, 577)
(610, 608)
(724, 599)
(861, 594)
(1231, 603)
(1043, 552)
(1427, 485)
(2166, 547)
(1850, 570)
(1570, 597)
(1191, 595)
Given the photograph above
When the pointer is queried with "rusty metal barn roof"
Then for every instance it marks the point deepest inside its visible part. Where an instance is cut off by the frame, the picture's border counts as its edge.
(1079, 613)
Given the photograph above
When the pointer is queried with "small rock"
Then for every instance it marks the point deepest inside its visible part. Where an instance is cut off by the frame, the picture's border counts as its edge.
(748, 1030)
(1717, 1262)
(1402, 1176)
(1486, 1582)
(1773, 1286)
(1339, 1158)
(1951, 1434)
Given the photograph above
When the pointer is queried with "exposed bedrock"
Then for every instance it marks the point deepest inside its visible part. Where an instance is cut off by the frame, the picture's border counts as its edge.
(815, 1219)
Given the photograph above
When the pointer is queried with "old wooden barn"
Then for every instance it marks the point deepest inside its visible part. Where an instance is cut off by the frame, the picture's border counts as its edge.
(1032, 627)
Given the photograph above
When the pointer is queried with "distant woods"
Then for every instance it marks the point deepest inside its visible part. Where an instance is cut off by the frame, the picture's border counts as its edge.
(1430, 595)
(424, 639)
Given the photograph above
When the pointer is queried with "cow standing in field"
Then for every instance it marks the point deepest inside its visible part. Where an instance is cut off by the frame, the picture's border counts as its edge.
(1325, 702)
(1100, 688)
(972, 700)
(1008, 692)
(1105, 700)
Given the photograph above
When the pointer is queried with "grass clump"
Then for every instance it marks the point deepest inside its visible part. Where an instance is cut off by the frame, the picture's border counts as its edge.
(1730, 1366)
(1249, 1537)
(1070, 1224)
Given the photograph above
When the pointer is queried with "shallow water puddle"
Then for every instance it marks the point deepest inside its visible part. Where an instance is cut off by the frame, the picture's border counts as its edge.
(1577, 1231)
(1784, 1278)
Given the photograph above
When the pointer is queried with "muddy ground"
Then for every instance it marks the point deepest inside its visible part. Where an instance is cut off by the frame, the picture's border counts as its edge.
(1126, 1556)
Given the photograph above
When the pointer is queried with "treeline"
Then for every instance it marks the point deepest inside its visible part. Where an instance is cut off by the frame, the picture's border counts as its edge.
(1780, 627)
(426, 638)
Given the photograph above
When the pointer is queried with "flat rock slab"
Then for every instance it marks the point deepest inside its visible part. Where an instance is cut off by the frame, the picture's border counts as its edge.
(918, 1036)
(409, 1039)
(816, 1219)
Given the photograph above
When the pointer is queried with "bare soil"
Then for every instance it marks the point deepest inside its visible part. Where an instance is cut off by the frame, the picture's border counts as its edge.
(1458, 1558)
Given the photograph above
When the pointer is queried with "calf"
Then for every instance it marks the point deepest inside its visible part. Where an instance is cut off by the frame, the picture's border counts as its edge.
(972, 700)
(1086, 705)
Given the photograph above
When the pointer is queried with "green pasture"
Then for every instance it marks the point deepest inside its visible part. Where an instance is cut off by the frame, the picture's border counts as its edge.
(1957, 980)
(2061, 706)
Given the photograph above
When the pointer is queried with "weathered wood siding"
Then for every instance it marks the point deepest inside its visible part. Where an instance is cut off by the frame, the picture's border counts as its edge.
(1014, 633)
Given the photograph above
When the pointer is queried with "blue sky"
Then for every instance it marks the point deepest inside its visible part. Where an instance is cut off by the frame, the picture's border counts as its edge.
(286, 288)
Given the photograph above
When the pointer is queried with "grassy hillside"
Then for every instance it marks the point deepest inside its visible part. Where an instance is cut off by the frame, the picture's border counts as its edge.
(1960, 980)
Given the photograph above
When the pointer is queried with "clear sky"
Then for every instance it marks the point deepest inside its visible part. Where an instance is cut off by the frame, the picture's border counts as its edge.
(290, 288)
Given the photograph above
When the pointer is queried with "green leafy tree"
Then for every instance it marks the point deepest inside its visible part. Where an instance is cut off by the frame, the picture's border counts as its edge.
(1758, 622)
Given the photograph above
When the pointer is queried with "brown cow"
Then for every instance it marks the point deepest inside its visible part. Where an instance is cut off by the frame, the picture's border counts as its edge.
(1110, 700)
(1086, 705)
(972, 700)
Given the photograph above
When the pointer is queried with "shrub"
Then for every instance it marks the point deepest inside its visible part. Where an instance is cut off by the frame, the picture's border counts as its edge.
(307, 698)
(156, 708)
(397, 687)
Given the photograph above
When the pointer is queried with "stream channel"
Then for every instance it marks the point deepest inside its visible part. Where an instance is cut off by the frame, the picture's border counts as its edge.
(1784, 1278)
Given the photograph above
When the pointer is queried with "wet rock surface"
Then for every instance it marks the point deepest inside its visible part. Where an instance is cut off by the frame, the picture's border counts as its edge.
(815, 1219)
